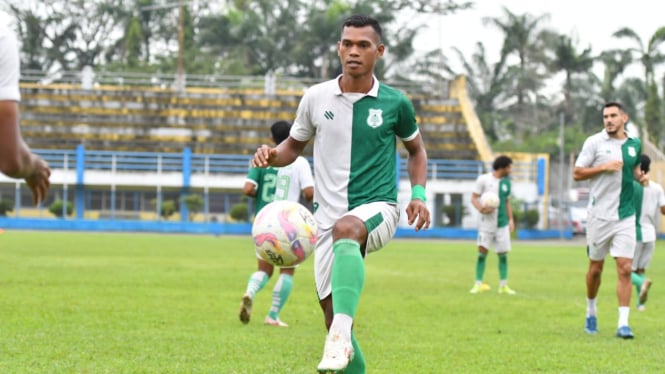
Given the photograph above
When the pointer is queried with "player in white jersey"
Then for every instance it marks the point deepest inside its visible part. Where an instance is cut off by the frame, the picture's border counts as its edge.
(610, 161)
(16, 159)
(356, 121)
(649, 205)
(266, 185)
(496, 224)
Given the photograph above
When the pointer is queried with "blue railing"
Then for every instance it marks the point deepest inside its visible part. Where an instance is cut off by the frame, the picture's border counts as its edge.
(154, 162)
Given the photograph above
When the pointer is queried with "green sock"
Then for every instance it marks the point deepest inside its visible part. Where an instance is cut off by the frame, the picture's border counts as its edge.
(348, 276)
(280, 294)
(256, 282)
(503, 266)
(637, 281)
(357, 365)
(480, 266)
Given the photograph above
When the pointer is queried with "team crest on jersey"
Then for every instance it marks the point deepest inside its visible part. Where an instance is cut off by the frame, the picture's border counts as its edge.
(631, 152)
(375, 118)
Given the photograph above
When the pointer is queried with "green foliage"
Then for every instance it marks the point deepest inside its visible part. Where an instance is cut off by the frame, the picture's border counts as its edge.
(168, 208)
(56, 208)
(454, 214)
(531, 218)
(240, 212)
(194, 203)
(129, 296)
(6, 206)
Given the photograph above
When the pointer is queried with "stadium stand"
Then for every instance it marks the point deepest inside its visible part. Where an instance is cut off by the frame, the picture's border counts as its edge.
(207, 120)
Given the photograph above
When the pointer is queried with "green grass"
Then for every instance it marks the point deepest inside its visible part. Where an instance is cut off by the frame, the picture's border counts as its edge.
(149, 303)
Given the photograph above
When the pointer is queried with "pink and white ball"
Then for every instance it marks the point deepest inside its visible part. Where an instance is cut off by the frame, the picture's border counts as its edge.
(489, 199)
(284, 233)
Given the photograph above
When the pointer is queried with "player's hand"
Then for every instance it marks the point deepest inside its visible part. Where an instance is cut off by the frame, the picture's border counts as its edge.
(487, 210)
(263, 156)
(614, 165)
(417, 212)
(38, 181)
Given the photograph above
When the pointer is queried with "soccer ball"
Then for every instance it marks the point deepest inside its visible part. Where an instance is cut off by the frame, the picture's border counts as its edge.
(489, 199)
(284, 233)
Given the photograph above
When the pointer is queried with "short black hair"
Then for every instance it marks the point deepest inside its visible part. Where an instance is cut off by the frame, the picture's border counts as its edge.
(361, 20)
(501, 162)
(611, 104)
(280, 131)
(645, 163)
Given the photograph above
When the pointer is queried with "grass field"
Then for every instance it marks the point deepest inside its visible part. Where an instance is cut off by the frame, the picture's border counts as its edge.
(149, 303)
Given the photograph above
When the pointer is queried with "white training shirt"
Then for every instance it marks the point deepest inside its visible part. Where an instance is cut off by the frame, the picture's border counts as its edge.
(653, 198)
(610, 193)
(355, 145)
(9, 65)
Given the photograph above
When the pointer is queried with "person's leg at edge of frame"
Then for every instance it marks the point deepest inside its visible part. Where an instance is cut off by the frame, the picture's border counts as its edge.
(280, 294)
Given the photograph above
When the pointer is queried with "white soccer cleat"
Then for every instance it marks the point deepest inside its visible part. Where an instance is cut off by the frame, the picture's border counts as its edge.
(337, 353)
(274, 322)
(245, 308)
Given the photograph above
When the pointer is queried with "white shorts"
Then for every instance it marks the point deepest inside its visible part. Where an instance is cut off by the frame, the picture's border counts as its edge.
(614, 237)
(643, 255)
(498, 239)
(381, 222)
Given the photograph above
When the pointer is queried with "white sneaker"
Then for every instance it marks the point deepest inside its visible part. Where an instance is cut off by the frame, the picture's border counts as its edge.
(274, 322)
(337, 353)
(245, 308)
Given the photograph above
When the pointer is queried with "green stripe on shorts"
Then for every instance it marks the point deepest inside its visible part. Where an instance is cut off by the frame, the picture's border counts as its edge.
(373, 222)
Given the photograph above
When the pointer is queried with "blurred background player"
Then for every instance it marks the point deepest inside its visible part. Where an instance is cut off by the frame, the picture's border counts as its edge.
(496, 224)
(266, 185)
(649, 205)
(16, 159)
(610, 160)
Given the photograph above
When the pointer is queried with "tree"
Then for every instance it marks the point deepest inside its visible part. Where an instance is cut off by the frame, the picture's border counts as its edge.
(568, 60)
(650, 56)
(194, 204)
(521, 38)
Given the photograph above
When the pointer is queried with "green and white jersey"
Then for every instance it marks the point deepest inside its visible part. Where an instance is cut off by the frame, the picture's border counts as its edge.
(354, 144)
(610, 193)
(648, 201)
(283, 183)
(501, 186)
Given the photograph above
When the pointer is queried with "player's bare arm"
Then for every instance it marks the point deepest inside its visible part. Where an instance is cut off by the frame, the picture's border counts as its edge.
(16, 159)
(509, 211)
(417, 212)
(582, 173)
(283, 154)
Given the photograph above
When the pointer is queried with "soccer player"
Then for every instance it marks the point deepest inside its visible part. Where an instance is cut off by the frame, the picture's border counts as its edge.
(649, 204)
(16, 158)
(356, 120)
(610, 160)
(267, 185)
(496, 224)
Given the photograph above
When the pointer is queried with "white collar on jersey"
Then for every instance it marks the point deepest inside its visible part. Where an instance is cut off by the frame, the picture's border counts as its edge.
(374, 92)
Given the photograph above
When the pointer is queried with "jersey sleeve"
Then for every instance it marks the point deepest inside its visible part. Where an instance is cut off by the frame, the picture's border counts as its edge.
(407, 128)
(9, 65)
(254, 175)
(661, 195)
(303, 128)
(479, 186)
(586, 156)
(305, 173)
